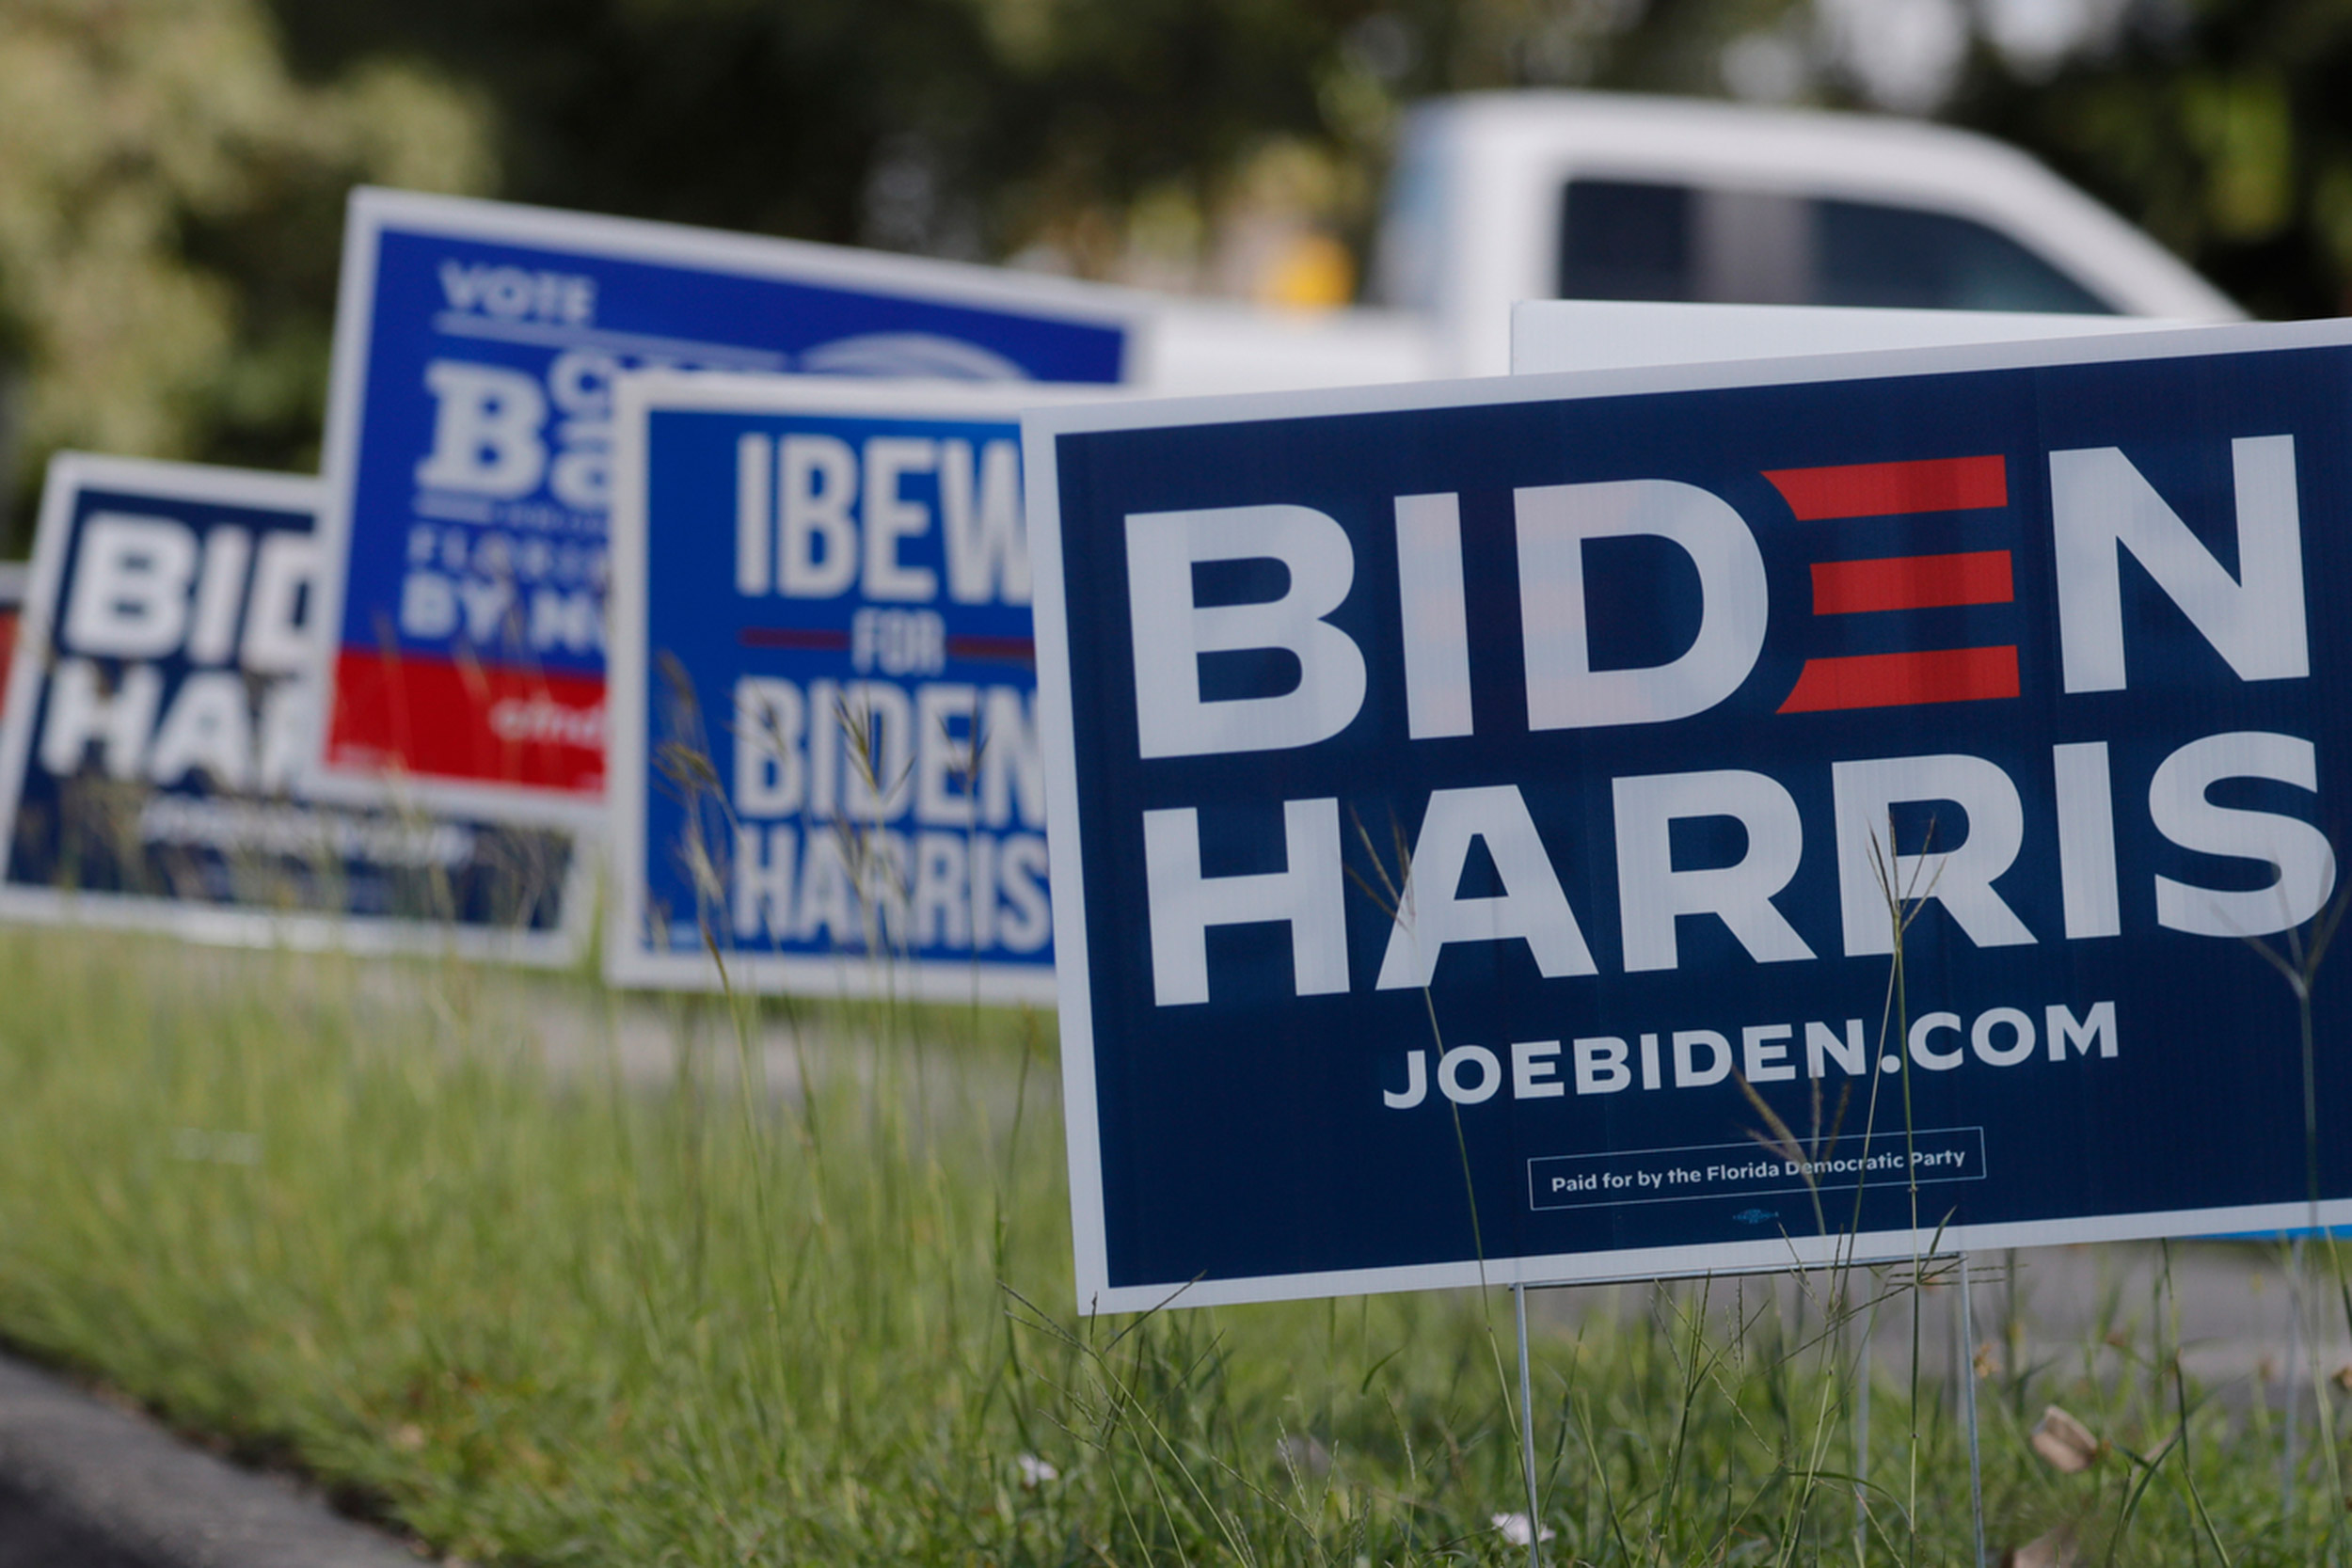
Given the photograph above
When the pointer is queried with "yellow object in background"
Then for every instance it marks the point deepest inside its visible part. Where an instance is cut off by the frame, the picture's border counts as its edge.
(1314, 272)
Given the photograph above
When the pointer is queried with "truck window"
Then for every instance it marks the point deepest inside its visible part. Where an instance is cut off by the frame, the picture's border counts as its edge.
(1904, 257)
(1624, 239)
(1621, 240)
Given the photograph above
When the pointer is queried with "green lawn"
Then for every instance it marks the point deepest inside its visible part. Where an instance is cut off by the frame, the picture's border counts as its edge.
(554, 1309)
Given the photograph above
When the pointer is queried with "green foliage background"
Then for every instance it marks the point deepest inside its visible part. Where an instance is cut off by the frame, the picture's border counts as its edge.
(171, 171)
(170, 197)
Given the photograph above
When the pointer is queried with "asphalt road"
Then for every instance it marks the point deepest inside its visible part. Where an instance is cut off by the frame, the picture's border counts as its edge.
(84, 1484)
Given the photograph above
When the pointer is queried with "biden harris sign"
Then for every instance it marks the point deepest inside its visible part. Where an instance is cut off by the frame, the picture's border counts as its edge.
(825, 765)
(1711, 818)
(160, 708)
(469, 449)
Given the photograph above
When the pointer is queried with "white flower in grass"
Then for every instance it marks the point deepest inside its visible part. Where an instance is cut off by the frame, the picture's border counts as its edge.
(1036, 1472)
(1513, 1528)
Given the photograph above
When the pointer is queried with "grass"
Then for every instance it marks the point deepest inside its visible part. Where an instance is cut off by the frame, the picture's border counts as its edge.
(554, 1307)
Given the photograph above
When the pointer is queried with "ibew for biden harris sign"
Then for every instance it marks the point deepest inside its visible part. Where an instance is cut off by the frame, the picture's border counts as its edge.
(161, 704)
(469, 447)
(825, 772)
(1479, 812)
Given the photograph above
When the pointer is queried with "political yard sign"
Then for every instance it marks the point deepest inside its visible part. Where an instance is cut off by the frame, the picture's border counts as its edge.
(1484, 814)
(825, 765)
(469, 452)
(160, 708)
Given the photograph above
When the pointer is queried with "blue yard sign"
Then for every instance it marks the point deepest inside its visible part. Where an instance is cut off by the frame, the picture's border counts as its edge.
(825, 766)
(1487, 818)
(160, 706)
(469, 452)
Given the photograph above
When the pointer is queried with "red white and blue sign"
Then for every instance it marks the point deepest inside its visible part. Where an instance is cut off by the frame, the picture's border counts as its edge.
(161, 707)
(469, 447)
(825, 767)
(1487, 816)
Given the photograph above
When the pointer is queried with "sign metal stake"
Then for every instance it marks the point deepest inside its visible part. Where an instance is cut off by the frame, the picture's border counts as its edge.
(2288, 1464)
(1861, 1424)
(1968, 1398)
(1527, 1433)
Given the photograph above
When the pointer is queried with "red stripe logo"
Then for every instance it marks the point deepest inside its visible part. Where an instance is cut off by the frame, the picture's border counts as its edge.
(1904, 680)
(1911, 583)
(1903, 582)
(1893, 489)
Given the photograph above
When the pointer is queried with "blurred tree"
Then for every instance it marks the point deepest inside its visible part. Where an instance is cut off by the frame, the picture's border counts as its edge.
(968, 128)
(171, 171)
(1067, 133)
(169, 202)
(2223, 127)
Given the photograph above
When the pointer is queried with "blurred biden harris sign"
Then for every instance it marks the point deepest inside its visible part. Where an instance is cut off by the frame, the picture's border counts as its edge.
(160, 707)
(1487, 818)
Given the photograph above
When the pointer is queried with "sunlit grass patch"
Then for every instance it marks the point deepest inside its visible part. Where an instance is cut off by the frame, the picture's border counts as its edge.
(424, 1231)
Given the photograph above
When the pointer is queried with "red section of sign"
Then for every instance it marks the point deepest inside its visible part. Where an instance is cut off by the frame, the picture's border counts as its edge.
(1903, 680)
(1885, 489)
(1911, 582)
(992, 650)
(798, 638)
(823, 640)
(467, 723)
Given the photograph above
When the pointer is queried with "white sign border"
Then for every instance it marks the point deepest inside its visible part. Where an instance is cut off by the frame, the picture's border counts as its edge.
(1041, 428)
(373, 209)
(628, 960)
(71, 472)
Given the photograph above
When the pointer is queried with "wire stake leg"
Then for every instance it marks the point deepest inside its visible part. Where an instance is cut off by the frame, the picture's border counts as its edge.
(1968, 1398)
(1527, 1433)
(2290, 1463)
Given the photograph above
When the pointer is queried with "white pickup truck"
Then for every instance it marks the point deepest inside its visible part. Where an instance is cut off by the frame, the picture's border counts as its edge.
(1500, 197)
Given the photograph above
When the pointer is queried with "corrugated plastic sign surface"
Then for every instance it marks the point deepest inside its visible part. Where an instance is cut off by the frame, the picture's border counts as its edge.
(1532, 777)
